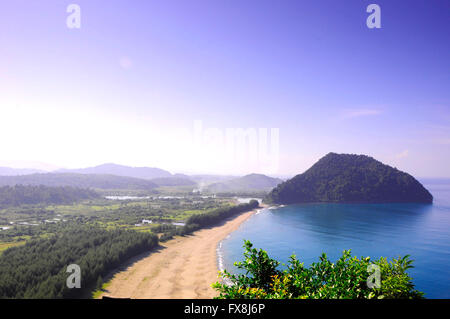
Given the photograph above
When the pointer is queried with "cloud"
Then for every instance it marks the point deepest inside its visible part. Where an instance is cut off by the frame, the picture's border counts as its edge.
(350, 114)
(403, 154)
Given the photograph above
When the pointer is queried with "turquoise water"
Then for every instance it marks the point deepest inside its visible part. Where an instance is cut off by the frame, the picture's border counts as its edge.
(390, 230)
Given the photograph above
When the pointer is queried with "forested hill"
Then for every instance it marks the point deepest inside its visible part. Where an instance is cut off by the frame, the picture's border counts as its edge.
(79, 180)
(247, 183)
(173, 181)
(20, 195)
(350, 178)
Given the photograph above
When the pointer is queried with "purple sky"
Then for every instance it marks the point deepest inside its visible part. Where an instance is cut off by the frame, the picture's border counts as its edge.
(129, 85)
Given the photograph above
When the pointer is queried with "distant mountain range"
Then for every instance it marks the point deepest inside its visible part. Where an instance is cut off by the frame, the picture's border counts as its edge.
(173, 181)
(114, 176)
(98, 181)
(334, 178)
(8, 171)
(247, 183)
(350, 178)
(121, 170)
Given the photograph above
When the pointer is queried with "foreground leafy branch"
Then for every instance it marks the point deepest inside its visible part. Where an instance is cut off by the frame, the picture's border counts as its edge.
(346, 278)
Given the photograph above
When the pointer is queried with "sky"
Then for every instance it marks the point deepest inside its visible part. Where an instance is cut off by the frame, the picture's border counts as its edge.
(224, 86)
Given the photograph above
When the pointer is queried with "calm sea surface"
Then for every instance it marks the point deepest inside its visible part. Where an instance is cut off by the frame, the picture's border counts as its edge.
(389, 230)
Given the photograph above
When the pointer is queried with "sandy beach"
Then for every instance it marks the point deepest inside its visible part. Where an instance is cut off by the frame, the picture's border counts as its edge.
(184, 267)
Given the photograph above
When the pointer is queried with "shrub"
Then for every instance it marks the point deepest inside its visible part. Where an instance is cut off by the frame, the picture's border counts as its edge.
(346, 278)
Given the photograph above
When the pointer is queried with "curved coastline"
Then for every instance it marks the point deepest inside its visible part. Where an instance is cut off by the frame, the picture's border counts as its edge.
(219, 249)
(181, 268)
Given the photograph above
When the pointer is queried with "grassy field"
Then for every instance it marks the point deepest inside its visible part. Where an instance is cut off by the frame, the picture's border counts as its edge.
(176, 190)
(39, 221)
(4, 246)
(98, 292)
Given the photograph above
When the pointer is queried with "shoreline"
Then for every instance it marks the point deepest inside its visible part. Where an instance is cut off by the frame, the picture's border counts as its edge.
(181, 268)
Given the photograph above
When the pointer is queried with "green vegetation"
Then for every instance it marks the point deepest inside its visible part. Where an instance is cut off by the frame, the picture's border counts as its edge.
(176, 190)
(117, 212)
(209, 218)
(38, 241)
(248, 184)
(39, 222)
(345, 279)
(20, 195)
(350, 178)
(4, 246)
(173, 181)
(99, 290)
(48, 221)
(38, 269)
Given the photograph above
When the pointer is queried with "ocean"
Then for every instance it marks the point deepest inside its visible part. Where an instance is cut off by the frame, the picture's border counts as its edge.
(375, 230)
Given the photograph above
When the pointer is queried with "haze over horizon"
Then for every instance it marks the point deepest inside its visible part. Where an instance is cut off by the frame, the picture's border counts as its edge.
(48, 168)
(133, 83)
